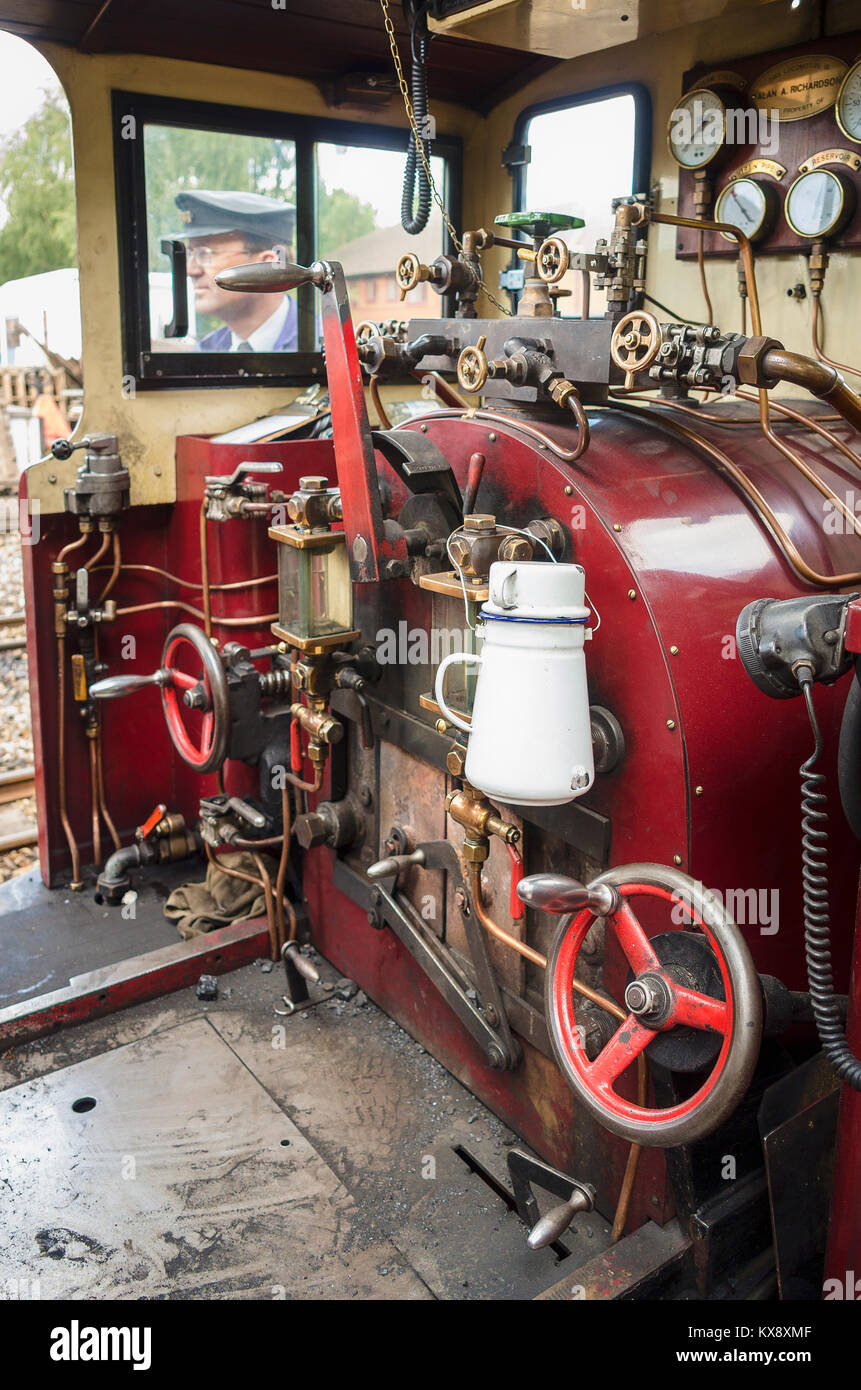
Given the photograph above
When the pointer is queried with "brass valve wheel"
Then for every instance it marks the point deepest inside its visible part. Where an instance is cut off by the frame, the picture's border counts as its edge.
(365, 330)
(409, 273)
(472, 367)
(635, 343)
(553, 260)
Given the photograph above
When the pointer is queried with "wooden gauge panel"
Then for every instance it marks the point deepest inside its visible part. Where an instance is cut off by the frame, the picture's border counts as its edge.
(803, 84)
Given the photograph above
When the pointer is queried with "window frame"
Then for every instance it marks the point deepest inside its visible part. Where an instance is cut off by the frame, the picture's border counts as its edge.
(642, 161)
(153, 371)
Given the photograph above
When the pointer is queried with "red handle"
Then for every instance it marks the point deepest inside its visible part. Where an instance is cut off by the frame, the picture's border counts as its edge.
(515, 906)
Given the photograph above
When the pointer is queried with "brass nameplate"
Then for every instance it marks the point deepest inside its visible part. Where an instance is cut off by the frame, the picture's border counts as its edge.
(848, 158)
(721, 77)
(758, 166)
(799, 87)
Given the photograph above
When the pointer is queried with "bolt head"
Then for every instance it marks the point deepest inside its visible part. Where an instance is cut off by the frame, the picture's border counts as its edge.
(479, 521)
(316, 483)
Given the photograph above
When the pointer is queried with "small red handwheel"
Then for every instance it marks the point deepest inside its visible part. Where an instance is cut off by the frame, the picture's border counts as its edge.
(205, 691)
(657, 1003)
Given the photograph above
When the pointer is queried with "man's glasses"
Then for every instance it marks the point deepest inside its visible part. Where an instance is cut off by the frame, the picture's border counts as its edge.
(206, 256)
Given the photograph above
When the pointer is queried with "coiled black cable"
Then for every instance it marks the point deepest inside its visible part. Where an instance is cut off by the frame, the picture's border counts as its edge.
(817, 931)
(415, 208)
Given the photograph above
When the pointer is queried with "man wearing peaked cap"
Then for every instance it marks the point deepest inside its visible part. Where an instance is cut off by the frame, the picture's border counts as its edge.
(222, 229)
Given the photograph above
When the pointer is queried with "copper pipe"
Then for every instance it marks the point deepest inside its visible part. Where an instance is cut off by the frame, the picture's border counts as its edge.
(627, 1188)
(94, 802)
(253, 619)
(73, 545)
(791, 554)
(382, 416)
(471, 413)
(275, 922)
(204, 572)
(190, 583)
(444, 389)
(261, 883)
(102, 550)
(817, 342)
(702, 267)
(820, 379)
(100, 771)
(786, 410)
(61, 762)
(115, 569)
(302, 786)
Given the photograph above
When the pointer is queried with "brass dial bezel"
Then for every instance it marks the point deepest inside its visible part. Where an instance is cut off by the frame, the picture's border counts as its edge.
(843, 216)
(695, 168)
(855, 68)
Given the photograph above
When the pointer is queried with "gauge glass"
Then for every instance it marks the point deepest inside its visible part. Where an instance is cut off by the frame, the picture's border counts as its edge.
(815, 203)
(743, 203)
(696, 128)
(848, 107)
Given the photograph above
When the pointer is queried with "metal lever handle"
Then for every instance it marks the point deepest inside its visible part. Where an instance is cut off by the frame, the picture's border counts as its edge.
(268, 277)
(556, 893)
(246, 812)
(114, 686)
(306, 968)
(557, 1221)
(395, 864)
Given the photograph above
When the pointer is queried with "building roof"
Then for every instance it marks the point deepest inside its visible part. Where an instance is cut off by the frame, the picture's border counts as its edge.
(378, 252)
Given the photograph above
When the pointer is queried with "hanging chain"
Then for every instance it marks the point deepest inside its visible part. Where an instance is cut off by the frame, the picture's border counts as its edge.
(420, 146)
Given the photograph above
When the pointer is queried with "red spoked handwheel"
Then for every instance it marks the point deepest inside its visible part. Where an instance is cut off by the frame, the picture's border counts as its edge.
(206, 691)
(657, 1002)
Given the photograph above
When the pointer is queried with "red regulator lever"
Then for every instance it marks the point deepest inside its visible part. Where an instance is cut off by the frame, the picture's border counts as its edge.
(695, 987)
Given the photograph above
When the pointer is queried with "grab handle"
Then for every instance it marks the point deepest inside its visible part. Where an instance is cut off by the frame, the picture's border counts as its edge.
(439, 684)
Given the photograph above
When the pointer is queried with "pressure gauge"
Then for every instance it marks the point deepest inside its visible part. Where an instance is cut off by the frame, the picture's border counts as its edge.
(848, 105)
(697, 128)
(748, 205)
(819, 203)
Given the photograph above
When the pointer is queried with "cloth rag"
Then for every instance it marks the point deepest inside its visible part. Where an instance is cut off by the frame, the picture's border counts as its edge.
(197, 908)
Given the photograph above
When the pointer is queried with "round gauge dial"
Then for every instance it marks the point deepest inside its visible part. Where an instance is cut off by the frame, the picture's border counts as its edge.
(748, 205)
(697, 128)
(848, 105)
(819, 203)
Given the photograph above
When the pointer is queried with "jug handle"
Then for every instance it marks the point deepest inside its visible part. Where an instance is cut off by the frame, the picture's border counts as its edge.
(439, 683)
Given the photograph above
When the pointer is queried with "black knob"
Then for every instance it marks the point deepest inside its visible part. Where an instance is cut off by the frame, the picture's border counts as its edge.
(62, 449)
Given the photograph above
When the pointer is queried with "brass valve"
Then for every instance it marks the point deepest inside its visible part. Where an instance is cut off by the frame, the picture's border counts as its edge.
(411, 272)
(472, 366)
(552, 260)
(318, 723)
(471, 809)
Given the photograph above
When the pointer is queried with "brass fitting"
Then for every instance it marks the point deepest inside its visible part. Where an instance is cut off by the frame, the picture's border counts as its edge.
(320, 726)
(472, 810)
(751, 359)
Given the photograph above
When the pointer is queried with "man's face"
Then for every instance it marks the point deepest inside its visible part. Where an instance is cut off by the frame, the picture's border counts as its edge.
(207, 256)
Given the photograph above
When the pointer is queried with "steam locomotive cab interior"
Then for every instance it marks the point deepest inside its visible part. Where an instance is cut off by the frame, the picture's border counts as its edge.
(463, 676)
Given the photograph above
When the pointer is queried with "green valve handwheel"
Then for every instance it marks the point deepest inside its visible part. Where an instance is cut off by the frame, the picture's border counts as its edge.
(538, 224)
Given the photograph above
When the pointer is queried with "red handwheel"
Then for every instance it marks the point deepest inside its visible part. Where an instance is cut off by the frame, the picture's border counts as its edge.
(206, 691)
(661, 997)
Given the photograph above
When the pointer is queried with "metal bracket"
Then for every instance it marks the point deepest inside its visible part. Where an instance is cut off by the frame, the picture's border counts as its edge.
(479, 1006)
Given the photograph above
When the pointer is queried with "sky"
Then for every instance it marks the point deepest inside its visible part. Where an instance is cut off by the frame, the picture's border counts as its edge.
(24, 75)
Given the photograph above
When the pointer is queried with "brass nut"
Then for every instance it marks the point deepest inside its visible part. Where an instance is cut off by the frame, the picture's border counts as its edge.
(479, 521)
(475, 851)
(750, 360)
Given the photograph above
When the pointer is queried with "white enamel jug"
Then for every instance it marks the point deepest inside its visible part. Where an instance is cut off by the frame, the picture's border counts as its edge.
(530, 738)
